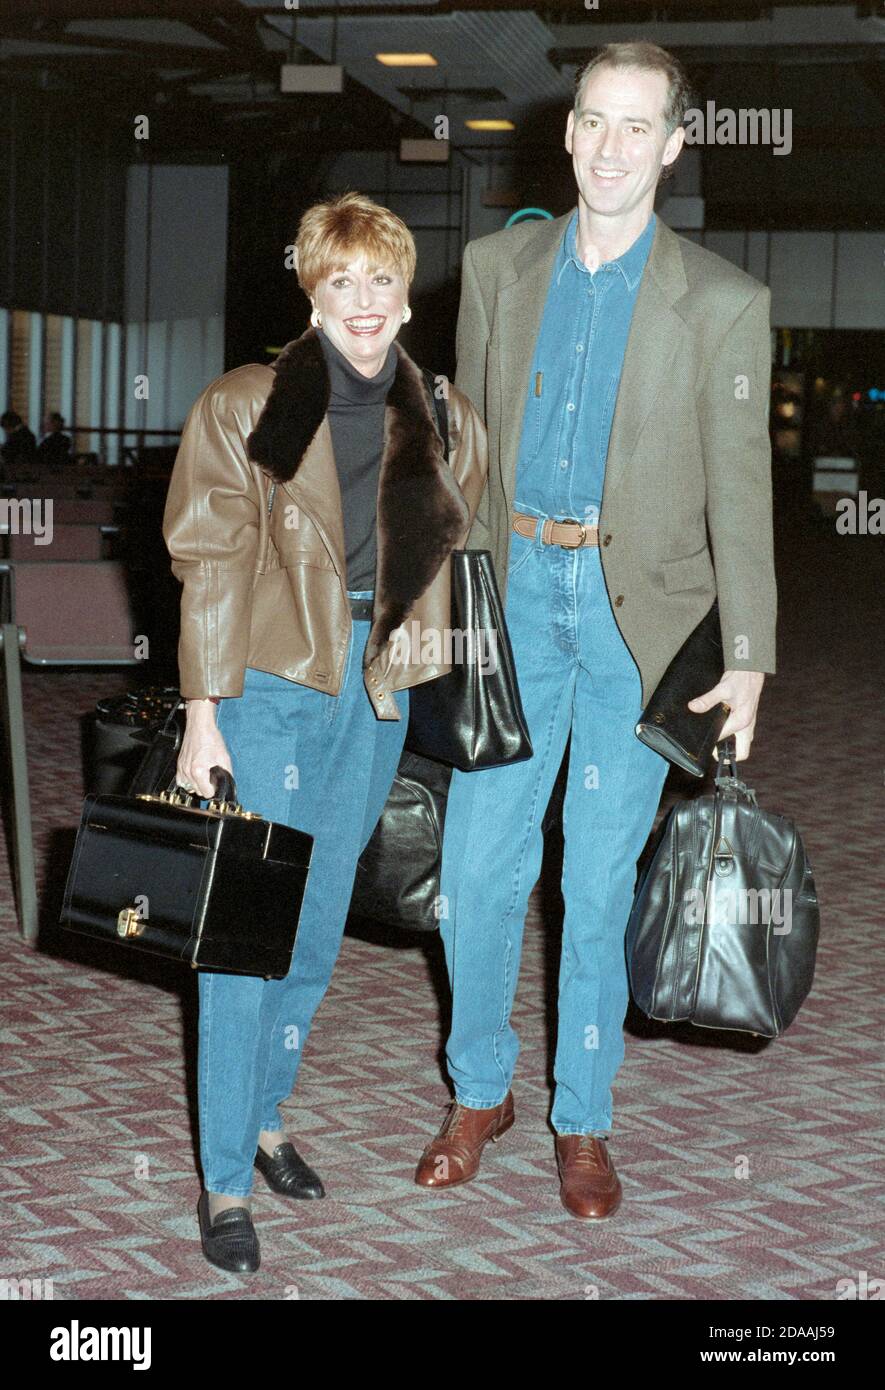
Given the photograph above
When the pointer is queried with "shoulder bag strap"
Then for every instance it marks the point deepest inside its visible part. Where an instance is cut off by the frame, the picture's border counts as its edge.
(440, 408)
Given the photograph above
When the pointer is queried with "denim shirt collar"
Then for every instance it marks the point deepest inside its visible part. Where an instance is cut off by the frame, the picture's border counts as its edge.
(631, 264)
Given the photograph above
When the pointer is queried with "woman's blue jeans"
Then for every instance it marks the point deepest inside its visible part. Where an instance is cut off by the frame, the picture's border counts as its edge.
(576, 677)
(324, 764)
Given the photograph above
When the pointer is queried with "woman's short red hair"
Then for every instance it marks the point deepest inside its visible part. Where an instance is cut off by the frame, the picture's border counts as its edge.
(339, 230)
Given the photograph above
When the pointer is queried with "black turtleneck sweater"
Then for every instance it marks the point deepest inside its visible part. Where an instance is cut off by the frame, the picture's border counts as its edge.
(356, 419)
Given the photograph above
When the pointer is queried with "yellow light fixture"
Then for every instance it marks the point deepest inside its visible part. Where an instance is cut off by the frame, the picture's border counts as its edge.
(407, 60)
(488, 124)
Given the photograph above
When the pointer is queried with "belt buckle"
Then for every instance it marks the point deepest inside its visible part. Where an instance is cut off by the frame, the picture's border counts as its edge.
(573, 521)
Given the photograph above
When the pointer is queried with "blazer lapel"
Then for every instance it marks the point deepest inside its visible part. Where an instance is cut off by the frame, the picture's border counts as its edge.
(655, 338)
(520, 309)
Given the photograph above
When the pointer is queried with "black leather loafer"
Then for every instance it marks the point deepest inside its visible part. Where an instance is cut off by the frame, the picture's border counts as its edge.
(286, 1172)
(230, 1241)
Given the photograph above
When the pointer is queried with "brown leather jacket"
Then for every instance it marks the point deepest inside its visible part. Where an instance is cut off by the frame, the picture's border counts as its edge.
(271, 592)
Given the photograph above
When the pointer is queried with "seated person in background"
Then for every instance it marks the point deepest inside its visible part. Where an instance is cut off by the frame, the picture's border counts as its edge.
(55, 446)
(20, 446)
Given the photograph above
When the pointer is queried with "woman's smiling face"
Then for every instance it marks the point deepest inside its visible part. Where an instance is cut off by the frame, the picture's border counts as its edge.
(362, 309)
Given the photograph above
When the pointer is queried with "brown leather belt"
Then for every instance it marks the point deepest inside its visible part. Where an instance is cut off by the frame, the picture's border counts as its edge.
(361, 608)
(571, 535)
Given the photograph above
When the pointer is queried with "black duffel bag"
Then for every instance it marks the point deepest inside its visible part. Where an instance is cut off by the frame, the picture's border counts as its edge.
(397, 877)
(116, 737)
(398, 874)
(724, 927)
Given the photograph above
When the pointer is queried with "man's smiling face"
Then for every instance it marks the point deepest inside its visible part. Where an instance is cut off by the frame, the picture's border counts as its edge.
(618, 140)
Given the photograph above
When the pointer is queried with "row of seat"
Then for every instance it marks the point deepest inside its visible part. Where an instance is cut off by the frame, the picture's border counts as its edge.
(71, 612)
(63, 603)
(65, 543)
(54, 612)
(15, 513)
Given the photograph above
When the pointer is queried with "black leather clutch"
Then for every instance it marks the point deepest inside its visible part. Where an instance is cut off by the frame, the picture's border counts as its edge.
(220, 888)
(667, 724)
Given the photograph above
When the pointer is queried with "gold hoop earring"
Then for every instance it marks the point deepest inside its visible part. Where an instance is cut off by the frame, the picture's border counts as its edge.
(316, 318)
(407, 314)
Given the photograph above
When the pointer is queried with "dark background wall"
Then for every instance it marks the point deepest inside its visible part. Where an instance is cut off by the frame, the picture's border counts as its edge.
(62, 206)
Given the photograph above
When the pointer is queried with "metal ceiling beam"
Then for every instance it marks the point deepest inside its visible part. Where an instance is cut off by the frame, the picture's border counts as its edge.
(165, 55)
(634, 11)
(68, 10)
(239, 31)
(611, 11)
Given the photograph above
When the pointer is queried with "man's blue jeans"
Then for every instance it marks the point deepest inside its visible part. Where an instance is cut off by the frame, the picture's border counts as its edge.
(576, 676)
(324, 764)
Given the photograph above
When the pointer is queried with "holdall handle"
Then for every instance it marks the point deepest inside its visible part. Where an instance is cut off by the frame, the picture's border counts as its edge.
(727, 755)
(222, 781)
(170, 717)
(728, 783)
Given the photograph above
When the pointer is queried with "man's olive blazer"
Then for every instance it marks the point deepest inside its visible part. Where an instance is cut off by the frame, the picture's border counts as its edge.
(686, 508)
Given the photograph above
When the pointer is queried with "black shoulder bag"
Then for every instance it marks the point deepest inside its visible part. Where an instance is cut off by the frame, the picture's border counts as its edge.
(470, 718)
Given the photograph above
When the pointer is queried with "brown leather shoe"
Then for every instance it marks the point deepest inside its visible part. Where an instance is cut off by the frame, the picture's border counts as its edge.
(590, 1186)
(453, 1156)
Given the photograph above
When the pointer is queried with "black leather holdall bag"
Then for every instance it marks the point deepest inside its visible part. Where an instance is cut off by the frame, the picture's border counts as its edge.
(397, 876)
(220, 887)
(724, 927)
(667, 724)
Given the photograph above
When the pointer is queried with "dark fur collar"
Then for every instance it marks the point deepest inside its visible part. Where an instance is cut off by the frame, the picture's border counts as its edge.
(421, 511)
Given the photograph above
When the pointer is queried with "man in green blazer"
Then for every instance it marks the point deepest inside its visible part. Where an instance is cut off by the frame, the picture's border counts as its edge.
(623, 374)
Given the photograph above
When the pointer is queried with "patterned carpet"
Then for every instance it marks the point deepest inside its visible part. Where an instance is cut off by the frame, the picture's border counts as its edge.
(749, 1167)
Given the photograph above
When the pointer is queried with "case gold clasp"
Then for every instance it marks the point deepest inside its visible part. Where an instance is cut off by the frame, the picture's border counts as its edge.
(230, 808)
(129, 923)
(233, 808)
(171, 798)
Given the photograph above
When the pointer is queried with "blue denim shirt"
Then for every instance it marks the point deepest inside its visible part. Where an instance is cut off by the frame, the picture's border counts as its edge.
(573, 386)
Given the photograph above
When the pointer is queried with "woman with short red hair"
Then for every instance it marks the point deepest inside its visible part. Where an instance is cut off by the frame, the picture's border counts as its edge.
(311, 510)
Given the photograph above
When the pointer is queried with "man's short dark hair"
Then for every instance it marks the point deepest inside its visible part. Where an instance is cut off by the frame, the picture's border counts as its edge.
(645, 57)
(10, 421)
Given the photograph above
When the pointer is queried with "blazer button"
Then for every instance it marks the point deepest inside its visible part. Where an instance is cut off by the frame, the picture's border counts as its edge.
(619, 600)
(606, 540)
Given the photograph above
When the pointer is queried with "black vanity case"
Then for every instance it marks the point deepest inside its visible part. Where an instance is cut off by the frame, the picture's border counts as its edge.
(219, 887)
